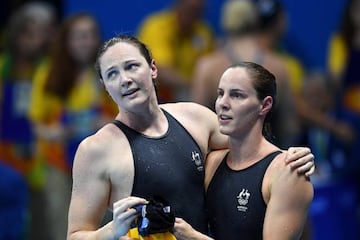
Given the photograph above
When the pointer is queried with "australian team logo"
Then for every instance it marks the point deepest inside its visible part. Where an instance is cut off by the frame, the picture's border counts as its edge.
(243, 199)
(196, 158)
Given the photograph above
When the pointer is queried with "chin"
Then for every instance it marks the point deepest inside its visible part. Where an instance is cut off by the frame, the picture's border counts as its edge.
(224, 130)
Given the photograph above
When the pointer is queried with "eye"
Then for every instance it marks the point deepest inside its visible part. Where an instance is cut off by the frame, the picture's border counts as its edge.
(220, 93)
(235, 95)
(131, 66)
(111, 75)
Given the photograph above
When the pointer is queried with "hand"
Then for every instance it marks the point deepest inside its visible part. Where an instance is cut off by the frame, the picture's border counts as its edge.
(301, 159)
(184, 231)
(124, 214)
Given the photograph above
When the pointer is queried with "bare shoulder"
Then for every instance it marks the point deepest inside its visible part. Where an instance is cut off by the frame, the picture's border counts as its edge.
(188, 111)
(199, 121)
(97, 144)
(281, 179)
(96, 151)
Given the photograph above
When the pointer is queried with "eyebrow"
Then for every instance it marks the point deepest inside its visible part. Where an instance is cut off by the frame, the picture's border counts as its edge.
(125, 62)
(109, 69)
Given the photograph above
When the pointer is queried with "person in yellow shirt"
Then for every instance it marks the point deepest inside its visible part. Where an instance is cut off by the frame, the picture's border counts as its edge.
(27, 36)
(343, 68)
(344, 55)
(67, 104)
(177, 38)
(273, 25)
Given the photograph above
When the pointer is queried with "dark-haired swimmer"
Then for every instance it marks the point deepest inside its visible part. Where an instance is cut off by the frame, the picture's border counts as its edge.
(149, 150)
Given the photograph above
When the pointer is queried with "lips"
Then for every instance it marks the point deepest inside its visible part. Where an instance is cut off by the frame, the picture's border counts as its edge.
(224, 117)
(129, 92)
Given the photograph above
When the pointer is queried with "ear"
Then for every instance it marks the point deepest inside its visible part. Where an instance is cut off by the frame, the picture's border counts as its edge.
(266, 105)
(154, 70)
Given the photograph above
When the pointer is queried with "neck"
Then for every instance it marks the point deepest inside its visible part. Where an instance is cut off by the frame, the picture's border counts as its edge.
(149, 120)
(244, 151)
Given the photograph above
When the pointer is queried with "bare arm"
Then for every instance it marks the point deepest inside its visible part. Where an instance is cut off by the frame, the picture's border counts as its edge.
(289, 197)
(201, 123)
(89, 194)
(100, 178)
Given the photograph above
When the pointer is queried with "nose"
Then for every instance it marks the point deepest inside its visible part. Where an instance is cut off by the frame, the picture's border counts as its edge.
(125, 80)
(222, 102)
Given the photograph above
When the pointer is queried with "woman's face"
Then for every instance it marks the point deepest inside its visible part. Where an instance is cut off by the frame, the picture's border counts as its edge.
(83, 41)
(32, 40)
(127, 76)
(237, 105)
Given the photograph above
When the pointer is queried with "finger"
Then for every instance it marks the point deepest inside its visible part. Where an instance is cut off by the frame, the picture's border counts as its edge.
(127, 203)
(129, 200)
(297, 162)
(311, 171)
(305, 168)
(296, 149)
(294, 153)
(302, 161)
(125, 218)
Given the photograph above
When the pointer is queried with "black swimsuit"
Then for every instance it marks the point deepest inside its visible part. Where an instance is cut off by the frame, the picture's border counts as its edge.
(172, 167)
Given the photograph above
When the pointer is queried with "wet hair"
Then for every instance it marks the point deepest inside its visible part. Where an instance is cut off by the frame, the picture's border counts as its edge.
(264, 83)
(144, 50)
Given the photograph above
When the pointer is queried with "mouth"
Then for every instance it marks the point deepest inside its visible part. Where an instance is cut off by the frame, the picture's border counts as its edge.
(224, 118)
(130, 92)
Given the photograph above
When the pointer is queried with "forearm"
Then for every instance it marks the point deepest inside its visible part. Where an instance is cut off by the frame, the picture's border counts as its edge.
(103, 233)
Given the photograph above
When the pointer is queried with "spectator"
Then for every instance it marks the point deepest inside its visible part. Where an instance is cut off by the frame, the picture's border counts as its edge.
(240, 22)
(343, 67)
(28, 35)
(177, 37)
(67, 104)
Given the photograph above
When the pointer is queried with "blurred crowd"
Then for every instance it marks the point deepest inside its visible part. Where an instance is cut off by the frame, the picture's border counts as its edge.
(51, 98)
